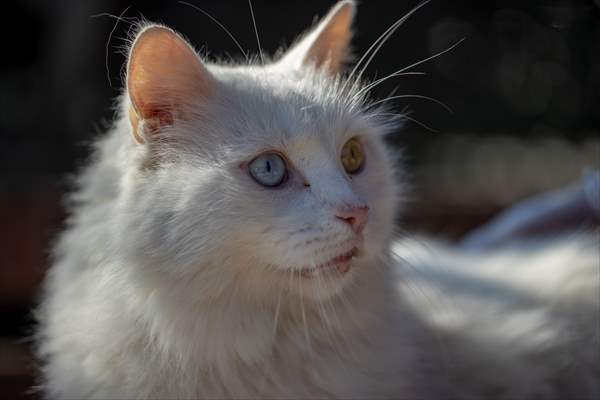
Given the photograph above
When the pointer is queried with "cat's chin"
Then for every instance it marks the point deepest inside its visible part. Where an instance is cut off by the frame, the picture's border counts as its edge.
(328, 279)
(334, 268)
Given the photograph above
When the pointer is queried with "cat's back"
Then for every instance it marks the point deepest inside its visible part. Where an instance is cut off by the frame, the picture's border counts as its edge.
(515, 322)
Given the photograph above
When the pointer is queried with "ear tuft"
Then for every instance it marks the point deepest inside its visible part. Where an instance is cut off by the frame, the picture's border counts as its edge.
(327, 45)
(164, 75)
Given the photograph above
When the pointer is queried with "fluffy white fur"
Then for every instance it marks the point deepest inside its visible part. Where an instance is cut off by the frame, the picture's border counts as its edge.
(517, 322)
(177, 276)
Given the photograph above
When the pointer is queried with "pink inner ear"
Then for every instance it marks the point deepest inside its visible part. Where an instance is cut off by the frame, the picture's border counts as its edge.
(331, 46)
(164, 75)
(327, 45)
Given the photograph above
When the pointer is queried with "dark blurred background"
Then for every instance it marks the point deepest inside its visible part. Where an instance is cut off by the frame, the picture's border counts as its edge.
(524, 88)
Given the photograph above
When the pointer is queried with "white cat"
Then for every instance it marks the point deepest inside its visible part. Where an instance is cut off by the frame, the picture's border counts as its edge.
(233, 238)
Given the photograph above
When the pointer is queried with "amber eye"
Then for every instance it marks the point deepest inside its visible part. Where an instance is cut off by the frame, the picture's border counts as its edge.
(353, 156)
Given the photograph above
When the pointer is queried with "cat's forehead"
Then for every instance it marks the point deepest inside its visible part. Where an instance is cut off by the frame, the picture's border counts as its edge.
(289, 107)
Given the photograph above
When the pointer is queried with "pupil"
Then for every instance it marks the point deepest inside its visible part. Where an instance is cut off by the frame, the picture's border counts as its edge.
(269, 166)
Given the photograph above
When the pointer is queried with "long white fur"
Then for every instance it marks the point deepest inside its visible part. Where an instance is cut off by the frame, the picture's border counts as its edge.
(173, 280)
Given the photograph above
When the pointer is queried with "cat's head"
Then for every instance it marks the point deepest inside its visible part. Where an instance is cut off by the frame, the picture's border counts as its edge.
(260, 178)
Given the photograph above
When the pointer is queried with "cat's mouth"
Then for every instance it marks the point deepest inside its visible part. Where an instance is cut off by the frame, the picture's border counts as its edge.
(339, 264)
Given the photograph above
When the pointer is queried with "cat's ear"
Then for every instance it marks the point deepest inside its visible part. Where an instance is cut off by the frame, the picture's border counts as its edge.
(164, 76)
(328, 44)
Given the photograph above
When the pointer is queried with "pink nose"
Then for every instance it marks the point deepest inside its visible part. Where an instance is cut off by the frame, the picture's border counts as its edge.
(356, 217)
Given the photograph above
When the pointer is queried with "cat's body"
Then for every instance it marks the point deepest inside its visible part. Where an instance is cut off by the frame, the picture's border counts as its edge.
(182, 275)
(517, 322)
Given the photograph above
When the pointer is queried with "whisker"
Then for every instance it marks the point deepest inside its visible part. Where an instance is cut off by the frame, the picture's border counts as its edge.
(388, 34)
(415, 96)
(304, 323)
(324, 316)
(416, 121)
(401, 71)
(368, 87)
(262, 59)
(112, 31)
(424, 125)
(394, 90)
(333, 312)
(277, 310)
(219, 24)
(383, 37)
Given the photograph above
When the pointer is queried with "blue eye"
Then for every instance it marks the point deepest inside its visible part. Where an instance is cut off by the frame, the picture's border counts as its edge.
(268, 169)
